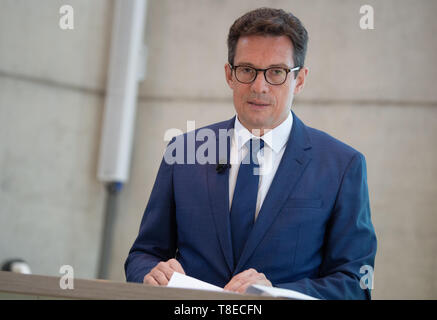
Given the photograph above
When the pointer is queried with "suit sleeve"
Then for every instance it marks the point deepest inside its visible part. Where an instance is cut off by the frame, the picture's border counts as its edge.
(156, 240)
(350, 242)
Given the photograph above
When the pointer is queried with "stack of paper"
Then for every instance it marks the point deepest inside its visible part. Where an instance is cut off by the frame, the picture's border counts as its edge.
(179, 280)
(277, 292)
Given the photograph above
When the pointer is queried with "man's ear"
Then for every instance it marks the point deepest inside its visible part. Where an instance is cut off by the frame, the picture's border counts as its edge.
(300, 80)
(228, 75)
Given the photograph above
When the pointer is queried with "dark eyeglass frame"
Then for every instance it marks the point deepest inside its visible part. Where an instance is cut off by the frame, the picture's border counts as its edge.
(287, 70)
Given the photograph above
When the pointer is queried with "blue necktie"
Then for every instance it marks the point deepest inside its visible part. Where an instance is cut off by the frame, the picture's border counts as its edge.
(244, 199)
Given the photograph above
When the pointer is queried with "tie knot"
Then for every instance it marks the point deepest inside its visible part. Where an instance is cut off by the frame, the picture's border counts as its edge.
(253, 145)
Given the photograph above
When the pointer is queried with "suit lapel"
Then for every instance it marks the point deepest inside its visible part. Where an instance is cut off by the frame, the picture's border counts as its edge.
(218, 188)
(293, 163)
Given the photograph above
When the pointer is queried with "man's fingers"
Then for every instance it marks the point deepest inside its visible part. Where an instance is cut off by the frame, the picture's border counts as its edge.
(159, 277)
(243, 287)
(240, 282)
(162, 272)
(148, 279)
(233, 284)
(164, 267)
(176, 266)
(240, 278)
(258, 279)
(246, 273)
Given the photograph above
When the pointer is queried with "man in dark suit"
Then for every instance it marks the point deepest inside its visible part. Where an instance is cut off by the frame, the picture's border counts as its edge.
(276, 203)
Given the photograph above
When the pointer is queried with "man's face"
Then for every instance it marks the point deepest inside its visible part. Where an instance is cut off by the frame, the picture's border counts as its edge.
(261, 105)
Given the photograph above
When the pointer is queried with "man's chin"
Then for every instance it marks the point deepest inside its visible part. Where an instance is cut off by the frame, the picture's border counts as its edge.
(254, 123)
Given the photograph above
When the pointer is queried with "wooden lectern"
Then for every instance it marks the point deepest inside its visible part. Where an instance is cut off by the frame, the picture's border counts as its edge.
(24, 286)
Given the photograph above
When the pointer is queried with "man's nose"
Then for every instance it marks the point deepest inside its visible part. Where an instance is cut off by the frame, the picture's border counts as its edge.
(260, 85)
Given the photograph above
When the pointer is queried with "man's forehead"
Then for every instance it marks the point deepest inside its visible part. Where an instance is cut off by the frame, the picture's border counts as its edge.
(274, 50)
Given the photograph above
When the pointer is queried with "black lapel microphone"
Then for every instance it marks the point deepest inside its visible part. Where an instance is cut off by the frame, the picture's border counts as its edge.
(222, 167)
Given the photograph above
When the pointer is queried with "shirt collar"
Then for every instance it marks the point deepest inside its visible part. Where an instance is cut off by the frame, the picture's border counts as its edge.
(275, 138)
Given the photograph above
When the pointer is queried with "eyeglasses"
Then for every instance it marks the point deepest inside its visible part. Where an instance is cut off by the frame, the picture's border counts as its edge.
(274, 75)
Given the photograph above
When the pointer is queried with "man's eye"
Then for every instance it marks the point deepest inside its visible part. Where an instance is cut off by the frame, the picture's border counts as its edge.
(277, 72)
(247, 70)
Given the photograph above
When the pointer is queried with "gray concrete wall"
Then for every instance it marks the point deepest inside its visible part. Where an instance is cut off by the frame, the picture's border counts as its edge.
(373, 89)
(51, 102)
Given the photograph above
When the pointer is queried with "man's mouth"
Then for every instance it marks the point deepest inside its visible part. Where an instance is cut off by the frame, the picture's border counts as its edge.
(256, 103)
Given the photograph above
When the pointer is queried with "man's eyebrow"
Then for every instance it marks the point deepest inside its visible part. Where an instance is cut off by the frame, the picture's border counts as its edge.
(281, 65)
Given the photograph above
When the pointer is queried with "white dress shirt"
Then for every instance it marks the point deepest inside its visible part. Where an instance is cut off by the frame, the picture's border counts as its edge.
(269, 157)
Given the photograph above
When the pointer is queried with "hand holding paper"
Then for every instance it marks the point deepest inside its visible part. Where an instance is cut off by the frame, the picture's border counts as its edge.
(162, 272)
(179, 280)
(240, 282)
(183, 281)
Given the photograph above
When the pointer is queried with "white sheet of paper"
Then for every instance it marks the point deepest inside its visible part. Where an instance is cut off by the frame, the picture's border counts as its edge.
(179, 280)
(277, 292)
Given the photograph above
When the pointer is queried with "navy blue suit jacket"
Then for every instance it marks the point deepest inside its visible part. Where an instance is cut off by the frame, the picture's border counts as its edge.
(313, 232)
